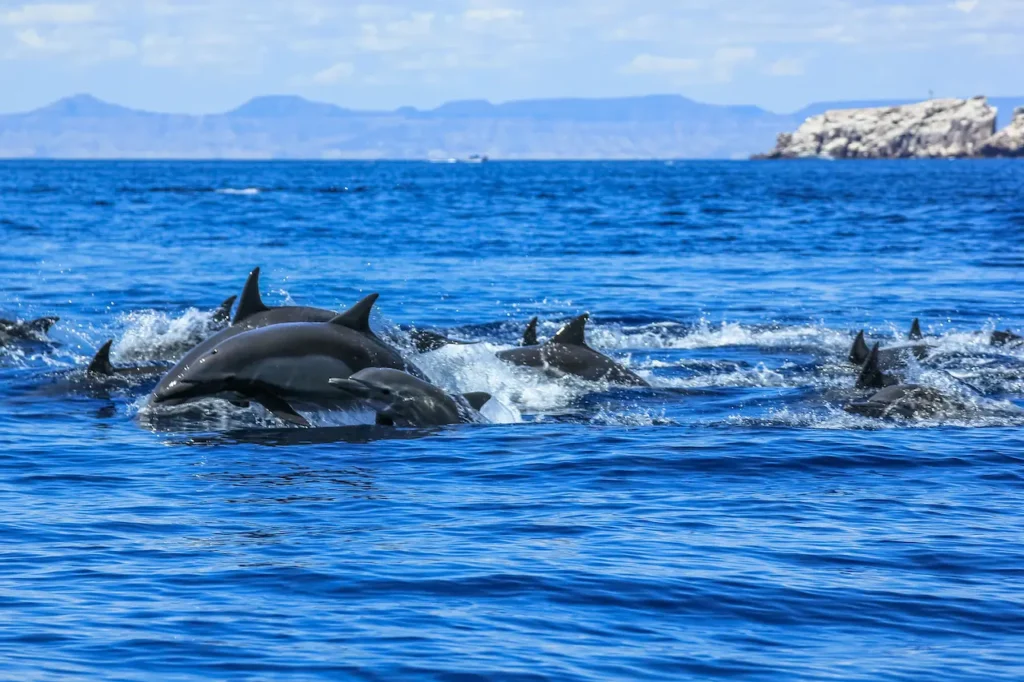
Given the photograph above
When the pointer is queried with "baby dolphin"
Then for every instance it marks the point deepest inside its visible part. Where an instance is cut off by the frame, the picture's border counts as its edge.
(568, 353)
(283, 364)
(401, 399)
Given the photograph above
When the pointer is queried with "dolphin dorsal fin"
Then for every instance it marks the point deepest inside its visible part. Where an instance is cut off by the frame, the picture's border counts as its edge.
(573, 333)
(358, 316)
(860, 351)
(223, 311)
(477, 400)
(530, 335)
(871, 376)
(101, 363)
(250, 302)
(915, 331)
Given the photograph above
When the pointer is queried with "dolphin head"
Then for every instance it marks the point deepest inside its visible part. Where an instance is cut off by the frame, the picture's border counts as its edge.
(211, 374)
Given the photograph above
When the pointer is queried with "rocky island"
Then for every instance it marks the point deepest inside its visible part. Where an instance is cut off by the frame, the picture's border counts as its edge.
(936, 129)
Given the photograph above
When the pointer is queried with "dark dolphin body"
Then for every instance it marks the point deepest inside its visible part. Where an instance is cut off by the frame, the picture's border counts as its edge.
(568, 353)
(284, 364)
(33, 330)
(902, 400)
(401, 399)
(1005, 339)
(252, 313)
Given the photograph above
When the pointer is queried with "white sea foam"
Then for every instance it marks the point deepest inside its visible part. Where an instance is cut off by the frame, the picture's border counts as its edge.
(245, 192)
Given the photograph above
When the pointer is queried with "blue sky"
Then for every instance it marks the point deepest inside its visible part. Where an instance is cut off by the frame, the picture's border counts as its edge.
(207, 56)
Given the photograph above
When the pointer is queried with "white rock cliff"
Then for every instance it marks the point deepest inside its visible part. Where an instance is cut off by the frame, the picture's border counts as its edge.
(1010, 140)
(941, 128)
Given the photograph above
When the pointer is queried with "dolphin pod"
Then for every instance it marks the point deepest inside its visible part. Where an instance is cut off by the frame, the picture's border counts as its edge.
(400, 399)
(292, 359)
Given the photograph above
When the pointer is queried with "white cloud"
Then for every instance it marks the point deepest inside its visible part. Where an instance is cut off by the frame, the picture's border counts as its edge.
(49, 14)
(333, 74)
(965, 6)
(493, 14)
(649, 63)
(786, 67)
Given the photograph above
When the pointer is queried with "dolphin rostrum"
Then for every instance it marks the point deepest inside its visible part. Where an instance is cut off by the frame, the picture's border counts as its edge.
(400, 399)
(283, 365)
(568, 353)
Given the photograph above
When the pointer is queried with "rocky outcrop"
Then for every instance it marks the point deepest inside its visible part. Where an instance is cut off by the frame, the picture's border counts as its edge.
(1009, 141)
(941, 128)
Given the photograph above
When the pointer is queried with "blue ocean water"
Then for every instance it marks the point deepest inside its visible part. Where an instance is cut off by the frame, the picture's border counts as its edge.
(730, 522)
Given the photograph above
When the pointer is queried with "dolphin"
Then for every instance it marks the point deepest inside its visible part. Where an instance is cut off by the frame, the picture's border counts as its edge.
(568, 353)
(102, 367)
(872, 376)
(901, 400)
(33, 330)
(222, 315)
(530, 335)
(425, 340)
(893, 357)
(915, 331)
(284, 364)
(252, 313)
(400, 399)
(1005, 339)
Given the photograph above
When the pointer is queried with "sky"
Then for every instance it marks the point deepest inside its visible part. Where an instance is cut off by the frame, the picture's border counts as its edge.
(207, 56)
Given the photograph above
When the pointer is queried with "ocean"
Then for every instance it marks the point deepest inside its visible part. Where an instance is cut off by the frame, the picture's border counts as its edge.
(732, 521)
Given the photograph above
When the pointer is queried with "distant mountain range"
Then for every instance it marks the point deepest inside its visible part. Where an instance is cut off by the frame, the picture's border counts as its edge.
(288, 127)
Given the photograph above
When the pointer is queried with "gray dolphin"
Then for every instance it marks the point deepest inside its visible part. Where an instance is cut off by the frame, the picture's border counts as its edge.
(568, 353)
(33, 330)
(425, 340)
(252, 313)
(1005, 339)
(222, 315)
(101, 366)
(282, 364)
(401, 399)
(530, 335)
(902, 400)
(872, 375)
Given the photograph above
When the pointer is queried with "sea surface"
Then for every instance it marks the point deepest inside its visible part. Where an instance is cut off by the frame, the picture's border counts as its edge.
(731, 522)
